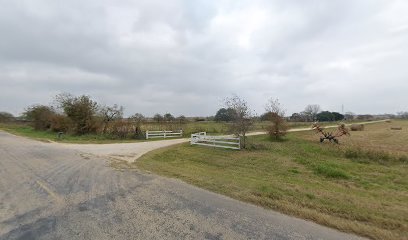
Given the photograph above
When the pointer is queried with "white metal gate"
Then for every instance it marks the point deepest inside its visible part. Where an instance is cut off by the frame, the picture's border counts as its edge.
(203, 139)
(163, 134)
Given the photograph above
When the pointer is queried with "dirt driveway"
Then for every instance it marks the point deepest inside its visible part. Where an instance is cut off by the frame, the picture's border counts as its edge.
(122, 151)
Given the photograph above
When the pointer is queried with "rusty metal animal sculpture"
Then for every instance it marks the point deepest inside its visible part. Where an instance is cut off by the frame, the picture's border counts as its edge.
(331, 136)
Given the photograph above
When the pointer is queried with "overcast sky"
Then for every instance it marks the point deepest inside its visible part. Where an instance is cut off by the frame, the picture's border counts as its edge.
(185, 57)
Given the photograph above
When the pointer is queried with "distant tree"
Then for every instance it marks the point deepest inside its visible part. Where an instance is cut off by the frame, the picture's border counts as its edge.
(6, 117)
(210, 118)
(81, 110)
(40, 115)
(365, 117)
(181, 119)
(242, 120)
(349, 116)
(311, 111)
(158, 117)
(276, 115)
(224, 115)
(325, 116)
(402, 115)
(168, 117)
(110, 114)
(337, 116)
(298, 117)
(199, 119)
(138, 117)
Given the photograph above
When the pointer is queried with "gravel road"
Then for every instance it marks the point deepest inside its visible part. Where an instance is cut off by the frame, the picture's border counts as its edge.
(51, 191)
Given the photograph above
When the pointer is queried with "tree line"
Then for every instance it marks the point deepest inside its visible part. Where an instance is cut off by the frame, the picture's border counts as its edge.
(82, 115)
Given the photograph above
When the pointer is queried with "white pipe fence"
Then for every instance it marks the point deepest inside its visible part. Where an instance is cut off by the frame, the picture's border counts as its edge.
(201, 138)
(163, 134)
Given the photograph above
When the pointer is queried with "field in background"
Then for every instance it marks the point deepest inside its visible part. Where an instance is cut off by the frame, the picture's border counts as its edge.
(359, 186)
(211, 127)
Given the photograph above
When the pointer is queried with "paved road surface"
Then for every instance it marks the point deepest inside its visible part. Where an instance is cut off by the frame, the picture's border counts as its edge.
(48, 191)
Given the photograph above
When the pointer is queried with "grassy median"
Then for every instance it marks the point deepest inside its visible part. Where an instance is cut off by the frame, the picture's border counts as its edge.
(359, 186)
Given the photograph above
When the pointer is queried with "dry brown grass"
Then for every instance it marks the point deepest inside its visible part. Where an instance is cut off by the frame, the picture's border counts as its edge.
(375, 137)
(363, 191)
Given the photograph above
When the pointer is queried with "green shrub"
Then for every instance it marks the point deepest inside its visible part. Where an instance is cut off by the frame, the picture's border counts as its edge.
(40, 116)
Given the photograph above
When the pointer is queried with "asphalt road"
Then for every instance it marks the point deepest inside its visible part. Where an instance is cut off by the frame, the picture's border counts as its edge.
(48, 191)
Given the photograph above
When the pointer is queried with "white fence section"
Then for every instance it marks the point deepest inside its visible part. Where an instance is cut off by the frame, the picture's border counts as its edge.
(201, 138)
(163, 134)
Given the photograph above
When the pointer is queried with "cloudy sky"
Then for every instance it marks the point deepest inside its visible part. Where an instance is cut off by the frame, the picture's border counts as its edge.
(185, 57)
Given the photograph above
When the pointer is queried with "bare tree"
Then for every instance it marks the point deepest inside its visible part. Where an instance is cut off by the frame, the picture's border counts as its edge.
(276, 114)
(242, 118)
(137, 120)
(311, 111)
(110, 114)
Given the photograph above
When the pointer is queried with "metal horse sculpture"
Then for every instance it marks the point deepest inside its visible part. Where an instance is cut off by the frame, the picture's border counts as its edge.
(331, 136)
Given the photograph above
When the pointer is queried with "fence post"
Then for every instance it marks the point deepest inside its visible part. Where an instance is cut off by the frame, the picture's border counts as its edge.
(164, 133)
(239, 141)
(147, 134)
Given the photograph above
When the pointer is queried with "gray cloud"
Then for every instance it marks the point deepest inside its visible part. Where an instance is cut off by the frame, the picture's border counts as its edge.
(185, 56)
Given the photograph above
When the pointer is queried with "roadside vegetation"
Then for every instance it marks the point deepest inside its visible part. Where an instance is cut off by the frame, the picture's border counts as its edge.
(80, 119)
(26, 129)
(358, 186)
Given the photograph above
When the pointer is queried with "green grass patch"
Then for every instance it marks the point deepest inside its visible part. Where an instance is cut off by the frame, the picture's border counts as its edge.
(330, 172)
(300, 177)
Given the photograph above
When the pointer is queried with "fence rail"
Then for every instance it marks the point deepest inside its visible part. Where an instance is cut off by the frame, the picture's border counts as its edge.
(163, 134)
(203, 139)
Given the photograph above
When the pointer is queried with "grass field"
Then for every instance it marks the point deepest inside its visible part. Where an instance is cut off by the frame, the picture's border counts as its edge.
(359, 186)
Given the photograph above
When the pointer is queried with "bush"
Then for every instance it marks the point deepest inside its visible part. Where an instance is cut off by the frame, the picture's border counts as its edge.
(82, 112)
(278, 128)
(275, 114)
(122, 129)
(60, 123)
(40, 116)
